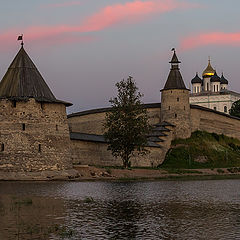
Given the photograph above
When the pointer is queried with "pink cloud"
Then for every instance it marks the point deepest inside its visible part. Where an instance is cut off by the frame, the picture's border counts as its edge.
(43, 36)
(130, 12)
(212, 38)
(63, 4)
(109, 16)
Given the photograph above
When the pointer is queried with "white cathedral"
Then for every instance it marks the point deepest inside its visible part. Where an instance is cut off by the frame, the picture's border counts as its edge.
(212, 91)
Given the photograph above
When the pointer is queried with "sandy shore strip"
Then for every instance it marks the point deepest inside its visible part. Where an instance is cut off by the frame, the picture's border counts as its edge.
(91, 173)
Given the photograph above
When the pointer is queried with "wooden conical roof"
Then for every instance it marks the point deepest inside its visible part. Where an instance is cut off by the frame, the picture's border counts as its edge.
(174, 80)
(23, 80)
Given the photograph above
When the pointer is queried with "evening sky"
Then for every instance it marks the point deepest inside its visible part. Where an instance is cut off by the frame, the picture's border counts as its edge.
(83, 47)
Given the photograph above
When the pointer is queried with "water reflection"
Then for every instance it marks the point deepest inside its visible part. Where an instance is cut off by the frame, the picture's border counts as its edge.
(30, 217)
(108, 210)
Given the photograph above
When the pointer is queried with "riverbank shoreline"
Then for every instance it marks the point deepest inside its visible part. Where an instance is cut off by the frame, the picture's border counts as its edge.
(92, 173)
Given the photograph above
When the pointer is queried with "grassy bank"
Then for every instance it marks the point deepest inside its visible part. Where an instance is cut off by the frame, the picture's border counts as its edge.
(203, 150)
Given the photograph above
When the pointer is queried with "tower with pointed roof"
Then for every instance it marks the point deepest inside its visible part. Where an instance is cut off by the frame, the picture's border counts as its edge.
(34, 133)
(175, 107)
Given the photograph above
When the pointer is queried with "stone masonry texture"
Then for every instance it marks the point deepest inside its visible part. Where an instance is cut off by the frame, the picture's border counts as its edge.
(34, 136)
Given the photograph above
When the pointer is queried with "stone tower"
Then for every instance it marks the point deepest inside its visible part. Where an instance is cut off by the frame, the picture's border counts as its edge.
(34, 134)
(175, 107)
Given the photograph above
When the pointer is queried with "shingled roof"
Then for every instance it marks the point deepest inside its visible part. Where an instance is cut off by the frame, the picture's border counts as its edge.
(174, 80)
(23, 80)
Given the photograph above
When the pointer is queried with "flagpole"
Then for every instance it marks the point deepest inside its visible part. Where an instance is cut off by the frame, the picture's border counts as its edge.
(20, 38)
(22, 41)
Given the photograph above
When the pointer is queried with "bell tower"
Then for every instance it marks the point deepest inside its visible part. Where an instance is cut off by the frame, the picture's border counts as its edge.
(175, 107)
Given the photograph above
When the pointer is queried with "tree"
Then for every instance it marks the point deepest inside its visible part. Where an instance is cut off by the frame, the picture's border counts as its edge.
(126, 124)
(235, 109)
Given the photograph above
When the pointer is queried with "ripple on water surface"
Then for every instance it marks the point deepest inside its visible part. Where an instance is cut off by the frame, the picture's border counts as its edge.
(120, 210)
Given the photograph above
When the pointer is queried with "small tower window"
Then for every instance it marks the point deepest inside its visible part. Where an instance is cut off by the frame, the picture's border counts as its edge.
(214, 88)
(39, 148)
(2, 147)
(14, 103)
(169, 107)
(23, 126)
(56, 127)
(207, 87)
(175, 115)
(184, 108)
(178, 99)
(225, 109)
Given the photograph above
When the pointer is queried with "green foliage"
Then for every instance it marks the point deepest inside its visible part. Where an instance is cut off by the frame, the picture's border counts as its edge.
(126, 125)
(88, 200)
(235, 109)
(203, 150)
(25, 201)
(219, 170)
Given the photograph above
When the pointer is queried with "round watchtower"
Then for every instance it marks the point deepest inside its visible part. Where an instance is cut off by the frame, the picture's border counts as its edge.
(34, 134)
(175, 107)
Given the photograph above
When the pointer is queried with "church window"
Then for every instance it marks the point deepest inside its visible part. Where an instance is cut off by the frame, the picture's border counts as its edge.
(56, 127)
(184, 108)
(169, 107)
(214, 88)
(178, 99)
(39, 148)
(207, 87)
(23, 126)
(217, 88)
(175, 115)
(225, 109)
(194, 89)
(2, 147)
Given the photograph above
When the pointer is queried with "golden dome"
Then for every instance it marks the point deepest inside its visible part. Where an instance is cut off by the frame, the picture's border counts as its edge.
(209, 71)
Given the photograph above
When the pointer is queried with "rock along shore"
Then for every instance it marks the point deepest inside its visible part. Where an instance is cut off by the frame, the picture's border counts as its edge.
(90, 173)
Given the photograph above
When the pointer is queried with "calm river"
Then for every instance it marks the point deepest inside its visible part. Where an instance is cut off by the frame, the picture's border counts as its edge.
(120, 210)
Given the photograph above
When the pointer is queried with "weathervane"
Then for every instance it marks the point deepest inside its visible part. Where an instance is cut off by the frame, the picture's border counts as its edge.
(20, 38)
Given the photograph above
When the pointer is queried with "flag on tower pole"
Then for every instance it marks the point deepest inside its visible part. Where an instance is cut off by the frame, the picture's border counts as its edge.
(20, 38)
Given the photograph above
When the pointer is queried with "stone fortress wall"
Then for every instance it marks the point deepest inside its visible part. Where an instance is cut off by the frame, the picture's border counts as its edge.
(33, 135)
(173, 118)
(95, 153)
(91, 122)
(36, 135)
